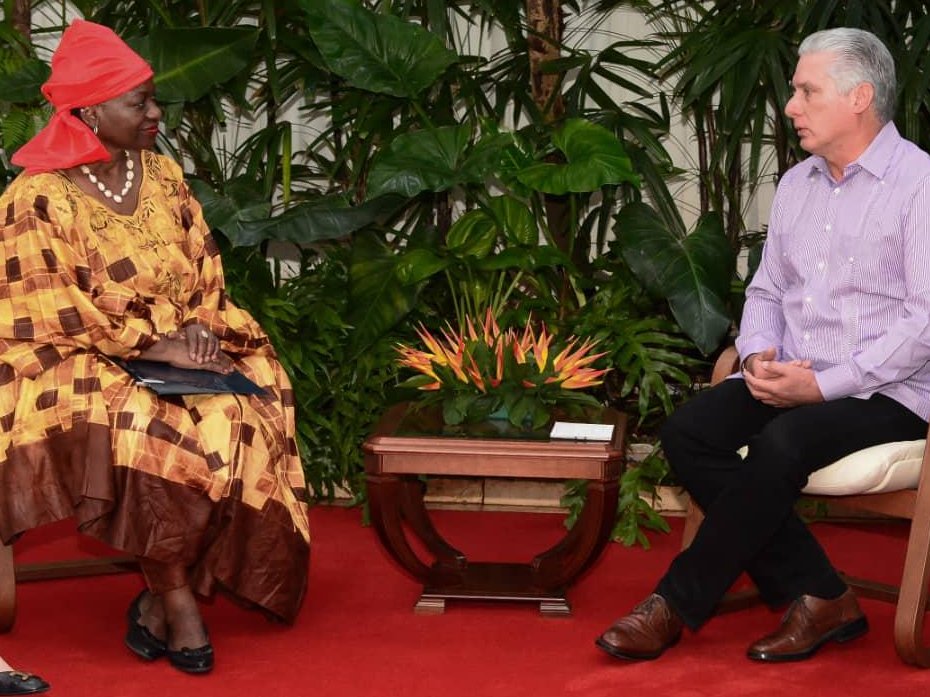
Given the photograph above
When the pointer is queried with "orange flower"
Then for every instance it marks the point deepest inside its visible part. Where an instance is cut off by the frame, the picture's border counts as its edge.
(584, 378)
(479, 359)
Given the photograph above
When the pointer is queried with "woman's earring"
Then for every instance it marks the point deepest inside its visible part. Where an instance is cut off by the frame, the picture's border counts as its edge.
(94, 129)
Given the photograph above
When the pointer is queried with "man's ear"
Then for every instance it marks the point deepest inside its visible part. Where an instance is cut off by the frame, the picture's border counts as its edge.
(863, 95)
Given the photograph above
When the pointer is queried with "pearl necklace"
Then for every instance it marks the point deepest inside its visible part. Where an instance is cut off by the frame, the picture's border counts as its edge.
(130, 175)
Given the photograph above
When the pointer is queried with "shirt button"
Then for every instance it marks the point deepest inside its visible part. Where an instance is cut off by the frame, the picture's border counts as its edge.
(828, 227)
(852, 259)
(806, 336)
(820, 265)
(808, 299)
(836, 191)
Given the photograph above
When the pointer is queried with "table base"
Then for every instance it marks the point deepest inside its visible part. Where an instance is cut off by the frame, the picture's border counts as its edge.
(492, 581)
(395, 465)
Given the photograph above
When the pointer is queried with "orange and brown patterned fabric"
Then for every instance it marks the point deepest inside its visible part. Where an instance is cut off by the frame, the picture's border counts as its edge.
(210, 481)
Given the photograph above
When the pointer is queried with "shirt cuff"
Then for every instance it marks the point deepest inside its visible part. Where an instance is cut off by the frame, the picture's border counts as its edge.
(836, 382)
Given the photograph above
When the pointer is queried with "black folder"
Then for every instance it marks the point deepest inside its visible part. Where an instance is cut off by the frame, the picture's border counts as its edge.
(165, 379)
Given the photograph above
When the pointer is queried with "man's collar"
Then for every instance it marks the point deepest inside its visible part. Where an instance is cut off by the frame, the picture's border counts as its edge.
(875, 160)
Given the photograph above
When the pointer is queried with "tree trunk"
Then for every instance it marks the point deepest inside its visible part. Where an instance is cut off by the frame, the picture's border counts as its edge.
(544, 37)
(21, 18)
(545, 27)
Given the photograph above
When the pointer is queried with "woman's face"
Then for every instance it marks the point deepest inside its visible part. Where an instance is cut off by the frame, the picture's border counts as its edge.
(129, 121)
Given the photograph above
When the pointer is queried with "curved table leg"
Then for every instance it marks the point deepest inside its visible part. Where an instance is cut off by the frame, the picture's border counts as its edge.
(385, 494)
(414, 512)
(573, 555)
(397, 499)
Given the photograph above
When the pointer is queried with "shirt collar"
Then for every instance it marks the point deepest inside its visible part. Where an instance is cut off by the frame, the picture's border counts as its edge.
(876, 158)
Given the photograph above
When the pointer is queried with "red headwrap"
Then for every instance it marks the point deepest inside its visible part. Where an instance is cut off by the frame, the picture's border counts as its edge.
(91, 65)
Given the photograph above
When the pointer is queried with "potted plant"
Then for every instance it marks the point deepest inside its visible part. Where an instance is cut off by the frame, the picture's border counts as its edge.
(521, 375)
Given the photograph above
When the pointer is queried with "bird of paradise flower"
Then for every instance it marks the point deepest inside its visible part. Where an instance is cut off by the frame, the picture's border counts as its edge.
(478, 371)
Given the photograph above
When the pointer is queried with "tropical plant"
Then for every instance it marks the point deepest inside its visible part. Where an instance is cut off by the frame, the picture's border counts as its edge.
(728, 65)
(434, 183)
(525, 373)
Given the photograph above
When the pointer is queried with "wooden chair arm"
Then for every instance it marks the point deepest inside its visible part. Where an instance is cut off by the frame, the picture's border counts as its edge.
(727, 364)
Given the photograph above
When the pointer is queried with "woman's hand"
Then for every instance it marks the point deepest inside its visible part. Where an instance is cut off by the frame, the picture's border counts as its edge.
(176, 348)
(202, 344)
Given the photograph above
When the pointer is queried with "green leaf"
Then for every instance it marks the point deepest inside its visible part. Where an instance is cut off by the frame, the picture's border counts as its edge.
(431, 160)
(516, 220)
(378, 301)
(322, 219)
(474, 234)
(596, 157)
(189, 63)
(230, 211)
(417, 265)
(693, 273)
(376, 52)
(23, 84)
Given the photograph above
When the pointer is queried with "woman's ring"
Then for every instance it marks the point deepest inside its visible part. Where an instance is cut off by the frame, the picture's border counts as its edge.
(204, 333)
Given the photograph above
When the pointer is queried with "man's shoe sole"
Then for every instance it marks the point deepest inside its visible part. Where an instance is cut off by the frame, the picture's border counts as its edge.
(619, 653)
(843, 633)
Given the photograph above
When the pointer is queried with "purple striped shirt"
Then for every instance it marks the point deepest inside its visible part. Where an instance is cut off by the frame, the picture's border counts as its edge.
(845, 274)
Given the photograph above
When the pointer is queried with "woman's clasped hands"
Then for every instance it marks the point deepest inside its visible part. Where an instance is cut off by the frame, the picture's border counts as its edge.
(195, 346)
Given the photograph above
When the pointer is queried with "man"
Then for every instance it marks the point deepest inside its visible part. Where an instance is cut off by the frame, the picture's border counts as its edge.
(834, 342)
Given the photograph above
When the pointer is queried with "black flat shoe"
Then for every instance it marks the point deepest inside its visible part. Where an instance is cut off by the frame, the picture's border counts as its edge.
(13, 682)
(139, 639)
(195, 661)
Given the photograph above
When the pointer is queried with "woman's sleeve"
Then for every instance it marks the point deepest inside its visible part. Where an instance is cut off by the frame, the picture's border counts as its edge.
(209, 305)
(50, 303)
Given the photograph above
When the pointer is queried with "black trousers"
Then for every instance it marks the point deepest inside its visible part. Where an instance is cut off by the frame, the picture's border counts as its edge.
(750, 524)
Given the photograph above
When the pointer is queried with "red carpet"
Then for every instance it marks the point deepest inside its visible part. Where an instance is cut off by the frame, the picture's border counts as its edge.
(357, 634)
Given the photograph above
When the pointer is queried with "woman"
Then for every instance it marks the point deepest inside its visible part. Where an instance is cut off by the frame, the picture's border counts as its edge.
(15, 682)
(108, 257)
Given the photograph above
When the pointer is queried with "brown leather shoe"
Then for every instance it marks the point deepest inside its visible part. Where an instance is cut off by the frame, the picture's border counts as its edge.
(649, 629)
(808, 624)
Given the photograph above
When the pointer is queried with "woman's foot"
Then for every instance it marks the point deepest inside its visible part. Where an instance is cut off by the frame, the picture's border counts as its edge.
(14, 682)
(145, 627)
(189, 647)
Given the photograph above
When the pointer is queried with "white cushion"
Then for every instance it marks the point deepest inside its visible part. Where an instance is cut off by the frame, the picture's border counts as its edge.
(884, 467)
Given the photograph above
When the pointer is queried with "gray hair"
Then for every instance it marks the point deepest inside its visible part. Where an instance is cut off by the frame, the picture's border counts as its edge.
(861, 57)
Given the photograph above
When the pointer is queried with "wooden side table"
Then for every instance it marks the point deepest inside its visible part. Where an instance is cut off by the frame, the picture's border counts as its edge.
(394, 462)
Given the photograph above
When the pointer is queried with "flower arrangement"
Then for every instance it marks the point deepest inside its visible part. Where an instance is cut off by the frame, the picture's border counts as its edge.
(481, 372)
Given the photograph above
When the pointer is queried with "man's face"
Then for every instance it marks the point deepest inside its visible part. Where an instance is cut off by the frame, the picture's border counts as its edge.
(821, 115)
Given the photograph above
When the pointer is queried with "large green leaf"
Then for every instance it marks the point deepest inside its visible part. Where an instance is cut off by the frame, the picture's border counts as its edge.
(376, 52)
(434, 160)
(474, 234)
(378, 299)
(516, 220)
(524, 258)
(244, 218)
(595, 157)
(228, 212)
(420, 161)
(323, 219)
(23, 84)
(188, 63)
(417, 265)
(693, 273)
(478, 232)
